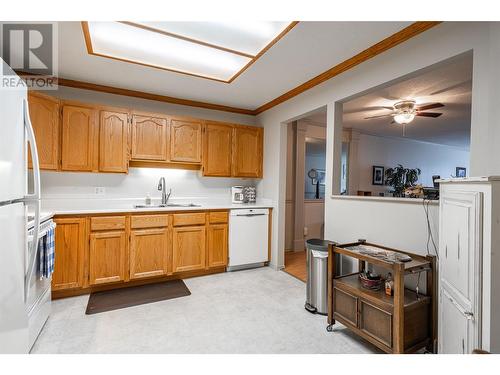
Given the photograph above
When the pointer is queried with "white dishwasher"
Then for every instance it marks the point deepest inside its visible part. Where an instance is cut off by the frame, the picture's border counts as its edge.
(248, 238)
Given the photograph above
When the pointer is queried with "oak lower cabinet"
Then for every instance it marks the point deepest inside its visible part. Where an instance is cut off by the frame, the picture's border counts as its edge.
(70, 240)
(108, 250)
(107, 257)
(185, 140)
(44, 115)
(188, 252)
(113, 142)
(247, 151)
(79, 139)
(217, 245)
(217, 239)
(149, 246)
(149, 137)
(217, 146)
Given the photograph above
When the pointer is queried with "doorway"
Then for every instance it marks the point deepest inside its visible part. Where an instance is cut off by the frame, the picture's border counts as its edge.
(305, 188)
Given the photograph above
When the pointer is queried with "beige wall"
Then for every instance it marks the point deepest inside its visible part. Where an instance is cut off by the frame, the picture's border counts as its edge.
(390, 225)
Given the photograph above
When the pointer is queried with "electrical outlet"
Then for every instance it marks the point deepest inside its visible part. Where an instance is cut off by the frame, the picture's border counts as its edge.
(306, 231)
(99, 190)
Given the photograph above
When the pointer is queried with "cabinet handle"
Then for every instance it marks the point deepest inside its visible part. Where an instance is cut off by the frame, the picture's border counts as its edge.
(469, 315)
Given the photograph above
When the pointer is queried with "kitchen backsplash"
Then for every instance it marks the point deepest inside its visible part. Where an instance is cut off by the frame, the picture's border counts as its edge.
(136, 184)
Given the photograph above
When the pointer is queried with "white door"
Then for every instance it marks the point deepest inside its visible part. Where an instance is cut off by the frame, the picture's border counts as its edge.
(14, 317)
(459, 323)
(12, 141)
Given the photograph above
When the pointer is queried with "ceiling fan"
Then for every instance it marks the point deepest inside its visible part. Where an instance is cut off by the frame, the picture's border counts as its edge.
(405, 111)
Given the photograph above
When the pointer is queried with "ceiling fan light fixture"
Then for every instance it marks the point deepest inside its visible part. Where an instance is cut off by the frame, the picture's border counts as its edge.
(404, 118)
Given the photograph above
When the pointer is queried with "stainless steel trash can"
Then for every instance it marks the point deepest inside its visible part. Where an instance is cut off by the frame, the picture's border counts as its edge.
(317, 275)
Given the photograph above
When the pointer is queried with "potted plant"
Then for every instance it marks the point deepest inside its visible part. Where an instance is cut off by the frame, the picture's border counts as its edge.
(401, 178)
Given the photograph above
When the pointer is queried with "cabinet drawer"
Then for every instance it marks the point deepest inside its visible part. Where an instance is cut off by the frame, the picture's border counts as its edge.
(107, 223)
(217, 217)
(346, 306)
(149, 221)
(189, 219)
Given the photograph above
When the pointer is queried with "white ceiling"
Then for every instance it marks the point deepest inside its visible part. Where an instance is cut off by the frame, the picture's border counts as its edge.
(307, 50)
(448, 82)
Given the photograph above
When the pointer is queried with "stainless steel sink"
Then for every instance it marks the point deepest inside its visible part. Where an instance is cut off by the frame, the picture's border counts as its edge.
(166, 205)
(183, 205)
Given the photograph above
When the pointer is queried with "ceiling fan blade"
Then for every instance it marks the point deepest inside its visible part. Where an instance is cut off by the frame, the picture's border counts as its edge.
(379, 116)
(425, 107)
(428, 114)
(365, 109)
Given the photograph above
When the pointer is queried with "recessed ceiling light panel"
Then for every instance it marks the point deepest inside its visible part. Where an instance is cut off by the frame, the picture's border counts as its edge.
(248, 37)
(214, 50)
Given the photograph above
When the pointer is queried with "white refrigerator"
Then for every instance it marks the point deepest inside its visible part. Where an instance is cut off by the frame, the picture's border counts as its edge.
(17, 253)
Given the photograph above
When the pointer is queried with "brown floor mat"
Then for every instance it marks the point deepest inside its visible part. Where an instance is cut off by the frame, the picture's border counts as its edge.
(137, 295)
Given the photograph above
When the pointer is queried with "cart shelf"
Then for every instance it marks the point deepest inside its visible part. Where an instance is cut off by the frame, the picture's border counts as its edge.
(401, 323)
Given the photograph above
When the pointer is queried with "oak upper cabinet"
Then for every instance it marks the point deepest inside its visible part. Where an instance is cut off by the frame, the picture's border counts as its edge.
(113, 142)
(149, 137)
(247, 152)
(217, 145)
(44, 115)
(189, 239)
(217, 239)
(185, 140)
(149, 246)
(79, 138)
(108, 250)
(71, 240)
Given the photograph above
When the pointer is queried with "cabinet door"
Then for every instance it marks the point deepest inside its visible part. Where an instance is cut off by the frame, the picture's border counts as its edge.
(149, 250)
(149, 138)
(247, 151)
(44, 115)
(113, 140)
(217, 150)
(107, 257)
(217, 245)
(188, 253)
(79, 146)
(460, 247)
(70, 247)
(185, 141)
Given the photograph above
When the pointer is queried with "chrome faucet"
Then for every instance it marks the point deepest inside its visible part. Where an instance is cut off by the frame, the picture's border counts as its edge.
(164, 195)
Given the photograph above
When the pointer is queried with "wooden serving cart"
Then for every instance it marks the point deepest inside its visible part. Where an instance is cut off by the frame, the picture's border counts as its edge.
(402, 323)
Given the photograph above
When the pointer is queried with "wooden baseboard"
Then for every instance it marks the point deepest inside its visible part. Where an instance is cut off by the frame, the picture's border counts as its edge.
(58, 294)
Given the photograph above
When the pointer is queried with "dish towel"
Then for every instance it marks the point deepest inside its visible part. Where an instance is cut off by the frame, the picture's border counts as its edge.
(46, 249)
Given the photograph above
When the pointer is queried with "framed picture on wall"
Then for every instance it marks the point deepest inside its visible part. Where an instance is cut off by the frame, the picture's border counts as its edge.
(461, 172)
(378, 175)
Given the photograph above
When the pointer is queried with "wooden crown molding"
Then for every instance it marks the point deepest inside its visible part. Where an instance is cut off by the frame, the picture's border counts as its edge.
(143, 95)
(90, 49)
(382, 46)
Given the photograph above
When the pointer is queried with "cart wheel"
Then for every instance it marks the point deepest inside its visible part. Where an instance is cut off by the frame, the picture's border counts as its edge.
(329, 328)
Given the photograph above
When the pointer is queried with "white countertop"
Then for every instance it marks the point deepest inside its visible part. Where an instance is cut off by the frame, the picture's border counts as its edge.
(44, 216)
(58, 206)
(469, 179)
(386, 199)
